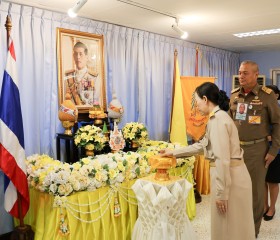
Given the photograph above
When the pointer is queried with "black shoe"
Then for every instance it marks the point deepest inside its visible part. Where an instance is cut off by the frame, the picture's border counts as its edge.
(197, 196)
(265, 212)
(268, 218)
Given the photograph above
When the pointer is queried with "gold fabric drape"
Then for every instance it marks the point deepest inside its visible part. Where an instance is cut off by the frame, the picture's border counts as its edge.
(201, 174)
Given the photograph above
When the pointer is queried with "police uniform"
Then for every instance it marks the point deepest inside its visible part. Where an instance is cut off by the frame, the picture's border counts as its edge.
(262, 114)
(81, 85)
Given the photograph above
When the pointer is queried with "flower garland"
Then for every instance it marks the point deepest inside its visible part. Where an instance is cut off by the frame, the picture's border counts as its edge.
(62, 179)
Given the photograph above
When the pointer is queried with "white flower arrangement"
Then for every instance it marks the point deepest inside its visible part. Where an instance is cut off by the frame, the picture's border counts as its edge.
(135, 131)
(62, 179)
(91, 137)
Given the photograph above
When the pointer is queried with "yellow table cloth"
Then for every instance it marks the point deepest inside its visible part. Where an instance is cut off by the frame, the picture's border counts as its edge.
(91, 215)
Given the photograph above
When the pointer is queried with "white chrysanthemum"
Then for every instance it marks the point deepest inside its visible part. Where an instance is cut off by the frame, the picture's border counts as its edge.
(53, 188)
(120, 178)
(62, 177)
(91, 187)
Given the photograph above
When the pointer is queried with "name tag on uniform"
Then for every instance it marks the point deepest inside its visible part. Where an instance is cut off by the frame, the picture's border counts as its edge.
(254, 119)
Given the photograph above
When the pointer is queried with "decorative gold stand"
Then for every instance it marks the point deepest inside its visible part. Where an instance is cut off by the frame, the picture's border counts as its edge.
(68, 127)
(89, 152)
(134, 144)
(162, 164)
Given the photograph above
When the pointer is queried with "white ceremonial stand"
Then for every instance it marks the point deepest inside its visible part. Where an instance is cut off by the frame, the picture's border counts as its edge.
(162, 209)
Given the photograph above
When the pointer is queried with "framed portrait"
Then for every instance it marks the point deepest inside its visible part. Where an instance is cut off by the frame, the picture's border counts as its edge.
(81, 69)
(275, 76)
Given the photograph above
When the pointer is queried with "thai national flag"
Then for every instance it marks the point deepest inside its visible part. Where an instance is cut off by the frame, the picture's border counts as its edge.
(12, 154)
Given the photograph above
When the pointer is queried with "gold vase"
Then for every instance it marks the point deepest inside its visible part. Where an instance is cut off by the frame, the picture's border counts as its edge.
(98, 121)
(89, 152)
(134, 144)
(68, 127)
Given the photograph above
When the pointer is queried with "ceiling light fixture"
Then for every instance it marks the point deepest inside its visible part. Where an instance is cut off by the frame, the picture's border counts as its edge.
(72, 12)
(257, 33)
(183, 34)
(176, 28)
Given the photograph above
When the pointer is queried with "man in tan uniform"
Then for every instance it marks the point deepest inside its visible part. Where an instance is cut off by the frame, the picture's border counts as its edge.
(262, 119)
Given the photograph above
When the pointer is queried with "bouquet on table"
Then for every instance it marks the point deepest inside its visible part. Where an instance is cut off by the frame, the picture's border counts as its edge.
(135, 131)
(90, 137)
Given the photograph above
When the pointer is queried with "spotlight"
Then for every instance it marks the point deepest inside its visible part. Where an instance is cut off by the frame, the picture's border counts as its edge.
(72, 12)
(182, 33)
(176, 28)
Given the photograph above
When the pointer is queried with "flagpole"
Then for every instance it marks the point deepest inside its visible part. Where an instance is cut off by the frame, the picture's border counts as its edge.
(22, 231)
(8, 26)
(198, 198)
(173, 90)
(196, 61)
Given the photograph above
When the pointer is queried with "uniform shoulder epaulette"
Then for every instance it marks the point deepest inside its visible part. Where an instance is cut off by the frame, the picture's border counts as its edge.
(95, 74)
(266, 90)
(235, 90)
(69, 71)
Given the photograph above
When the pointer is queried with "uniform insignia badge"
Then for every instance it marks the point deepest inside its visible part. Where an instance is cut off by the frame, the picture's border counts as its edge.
(254, 119)
(267, 90)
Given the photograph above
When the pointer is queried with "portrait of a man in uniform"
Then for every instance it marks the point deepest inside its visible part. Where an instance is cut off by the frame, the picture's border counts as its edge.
(81, 69)
(241, 111)
(82, 84)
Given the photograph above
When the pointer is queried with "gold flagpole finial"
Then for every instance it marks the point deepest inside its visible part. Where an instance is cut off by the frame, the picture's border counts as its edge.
(8, 26)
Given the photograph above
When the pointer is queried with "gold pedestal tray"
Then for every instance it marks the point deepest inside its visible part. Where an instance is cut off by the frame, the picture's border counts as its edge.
(68, 127)
(162, 164)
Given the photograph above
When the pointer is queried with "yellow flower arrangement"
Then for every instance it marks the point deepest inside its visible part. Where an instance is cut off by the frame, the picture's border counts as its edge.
(91, 137)
(135, 131)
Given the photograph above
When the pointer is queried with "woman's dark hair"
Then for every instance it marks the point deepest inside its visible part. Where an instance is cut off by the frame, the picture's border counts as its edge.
(212, 92)
(275, 90)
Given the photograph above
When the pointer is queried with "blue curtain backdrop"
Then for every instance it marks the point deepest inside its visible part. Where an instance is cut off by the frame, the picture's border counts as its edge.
(138, 67)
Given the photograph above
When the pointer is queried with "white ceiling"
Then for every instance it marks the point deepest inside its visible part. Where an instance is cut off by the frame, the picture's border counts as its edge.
(210, 23)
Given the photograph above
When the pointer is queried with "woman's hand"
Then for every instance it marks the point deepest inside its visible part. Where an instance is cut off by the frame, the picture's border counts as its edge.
(166, 153)
(222, 206)
(268, 159)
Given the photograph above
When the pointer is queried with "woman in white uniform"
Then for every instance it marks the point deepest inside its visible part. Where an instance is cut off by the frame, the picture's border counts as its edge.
(231, 195)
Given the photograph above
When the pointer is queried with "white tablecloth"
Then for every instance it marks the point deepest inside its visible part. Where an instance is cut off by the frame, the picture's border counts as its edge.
(162, 210)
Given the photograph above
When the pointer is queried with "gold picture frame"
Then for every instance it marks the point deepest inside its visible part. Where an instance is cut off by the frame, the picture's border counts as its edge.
(80, 59)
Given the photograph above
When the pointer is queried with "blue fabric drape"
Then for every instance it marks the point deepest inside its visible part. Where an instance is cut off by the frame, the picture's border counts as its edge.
(138, 68)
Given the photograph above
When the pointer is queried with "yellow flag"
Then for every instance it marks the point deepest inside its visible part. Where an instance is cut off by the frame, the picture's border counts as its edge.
(195, 122)
(177, 125)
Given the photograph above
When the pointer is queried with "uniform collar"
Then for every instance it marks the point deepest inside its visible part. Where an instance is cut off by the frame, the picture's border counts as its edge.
(255, 90)
(216, 109)
(82, 71)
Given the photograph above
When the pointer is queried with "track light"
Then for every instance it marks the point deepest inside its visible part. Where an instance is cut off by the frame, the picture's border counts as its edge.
(72, 12)
(182, 33)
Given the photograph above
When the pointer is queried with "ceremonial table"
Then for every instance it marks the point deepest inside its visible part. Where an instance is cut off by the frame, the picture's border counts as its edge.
(91, 215)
